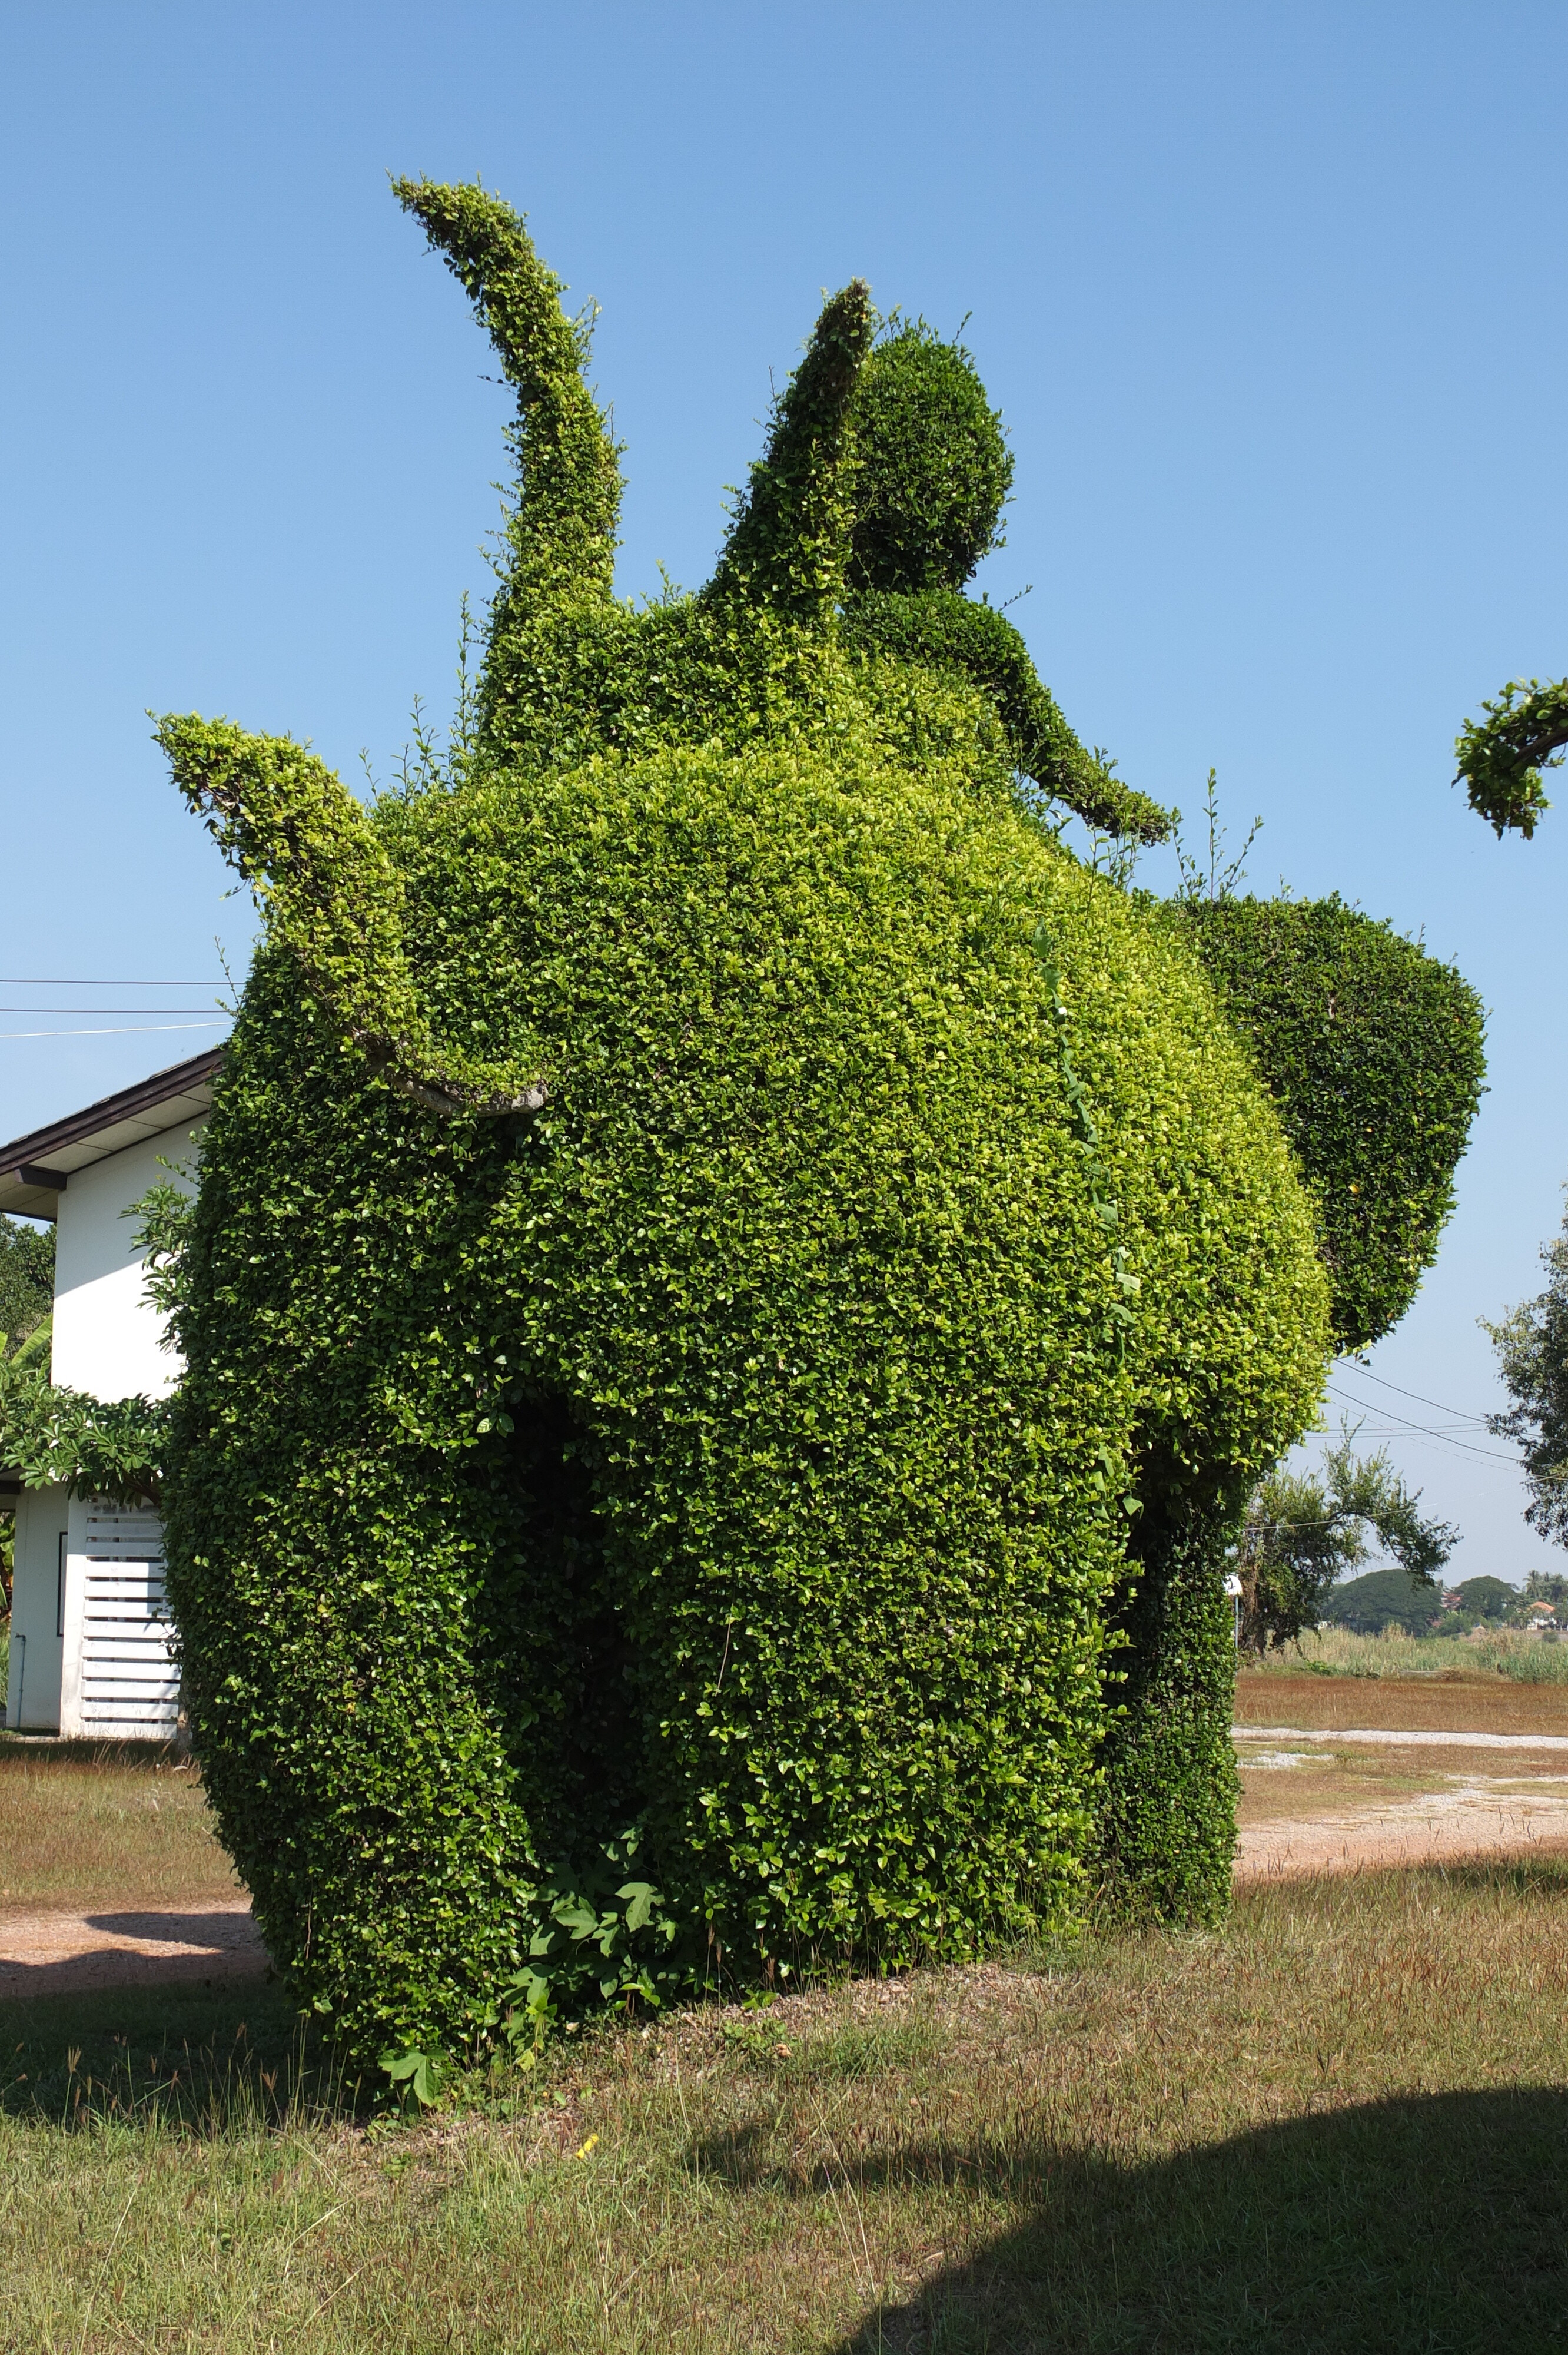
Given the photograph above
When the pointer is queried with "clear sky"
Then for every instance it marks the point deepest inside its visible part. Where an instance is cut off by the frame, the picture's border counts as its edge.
(1273, 300)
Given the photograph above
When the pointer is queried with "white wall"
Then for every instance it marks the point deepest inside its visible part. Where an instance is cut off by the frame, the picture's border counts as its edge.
(107, 1334)
(41, 1515)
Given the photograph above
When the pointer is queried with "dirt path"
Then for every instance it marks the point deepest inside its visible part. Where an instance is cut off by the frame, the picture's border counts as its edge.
(1436, 1827)
(1347, 1798)
(69, 1953)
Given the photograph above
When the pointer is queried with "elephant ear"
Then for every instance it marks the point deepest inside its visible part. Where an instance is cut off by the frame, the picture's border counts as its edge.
(1372, 1051)
(562, 528)
(790, 544)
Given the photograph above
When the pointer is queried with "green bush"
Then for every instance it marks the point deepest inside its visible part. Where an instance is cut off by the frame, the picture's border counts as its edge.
(931, 471)
(934, 468)
(27, 1281)
(1374, 1052)
(713, 1228)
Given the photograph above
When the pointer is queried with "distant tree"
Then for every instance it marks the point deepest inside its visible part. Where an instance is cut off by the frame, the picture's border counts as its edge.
(1386, 1599)
(27, 1280)
(1547, 1586)
(1502, 757)
(1532, 1352)
(1304, 1530)
(1487, 1598)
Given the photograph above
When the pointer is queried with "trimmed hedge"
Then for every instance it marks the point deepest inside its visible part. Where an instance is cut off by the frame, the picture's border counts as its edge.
(1374, 1053)
(711, 1232)
(1168, 1816)
(807, 1271)
(934, 468)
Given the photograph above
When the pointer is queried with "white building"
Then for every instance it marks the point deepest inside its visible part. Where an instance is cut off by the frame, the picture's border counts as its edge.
(89, 1629)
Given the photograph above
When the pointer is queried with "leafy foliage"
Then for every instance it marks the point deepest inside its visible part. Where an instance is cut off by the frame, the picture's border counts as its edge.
(1502, 757)
(51, 1435)
(932, 471)
(1304, 1531)
(1374, 1052)
(27, 1280)
(713, 1226)
(1167, 1830)
(1547, 1586)
(950, 635)
(1531, 1344)
(1487, 1598)
(935, 467)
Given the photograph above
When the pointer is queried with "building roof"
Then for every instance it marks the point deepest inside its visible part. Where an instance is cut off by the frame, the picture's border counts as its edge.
(34, 1169)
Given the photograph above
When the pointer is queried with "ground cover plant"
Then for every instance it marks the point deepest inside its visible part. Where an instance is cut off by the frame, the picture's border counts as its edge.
(1340, 2123)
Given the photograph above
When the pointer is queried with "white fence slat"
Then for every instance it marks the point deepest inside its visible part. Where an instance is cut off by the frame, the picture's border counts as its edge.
(129, 1683)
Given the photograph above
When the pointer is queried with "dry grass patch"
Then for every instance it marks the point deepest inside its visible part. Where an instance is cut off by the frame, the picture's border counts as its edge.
(1331, 1783)
(1340, 2125)
(1473, 1702)
(88, 1825)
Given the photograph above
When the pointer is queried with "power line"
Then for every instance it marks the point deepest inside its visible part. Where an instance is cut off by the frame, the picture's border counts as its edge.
(104, 1009)
(70, 981)
(1439, 1429)
(1441, 1404)
(120, 1030)
(1491, 1452)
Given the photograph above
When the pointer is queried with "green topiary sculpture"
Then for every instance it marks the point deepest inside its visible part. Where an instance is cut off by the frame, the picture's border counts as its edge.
(716, 1230)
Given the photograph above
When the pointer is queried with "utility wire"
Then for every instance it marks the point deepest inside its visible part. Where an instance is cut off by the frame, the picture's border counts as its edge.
(67, 981)
(1350, 1400)
(105, 1009)
(1443, 1408)
(120, 1030)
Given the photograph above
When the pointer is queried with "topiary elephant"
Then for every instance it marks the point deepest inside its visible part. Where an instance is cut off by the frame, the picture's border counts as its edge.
(738, 1288)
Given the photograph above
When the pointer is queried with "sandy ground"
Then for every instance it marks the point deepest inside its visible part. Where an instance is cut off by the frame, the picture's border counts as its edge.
(1347, 1798)
(68, 1953)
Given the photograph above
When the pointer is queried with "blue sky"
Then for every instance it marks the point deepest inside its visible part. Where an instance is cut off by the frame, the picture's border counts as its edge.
(1272, 299)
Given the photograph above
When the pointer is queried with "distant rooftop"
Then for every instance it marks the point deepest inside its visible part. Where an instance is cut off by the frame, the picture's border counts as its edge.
(34, 1169)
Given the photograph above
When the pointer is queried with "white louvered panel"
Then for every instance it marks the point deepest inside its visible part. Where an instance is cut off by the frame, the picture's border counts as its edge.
(130, 1684)
(123, 1536)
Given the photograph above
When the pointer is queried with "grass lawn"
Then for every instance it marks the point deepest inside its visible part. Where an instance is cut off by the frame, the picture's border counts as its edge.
(86, 1823)
(1341, 2124)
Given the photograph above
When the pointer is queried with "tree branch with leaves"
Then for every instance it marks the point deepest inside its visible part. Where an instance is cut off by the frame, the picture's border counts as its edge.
(1304, 1531)
(1502, 757)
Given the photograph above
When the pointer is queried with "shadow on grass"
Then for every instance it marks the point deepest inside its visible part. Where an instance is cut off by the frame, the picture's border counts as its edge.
(219, 1946)
(1430, 2223)
(230, 2056)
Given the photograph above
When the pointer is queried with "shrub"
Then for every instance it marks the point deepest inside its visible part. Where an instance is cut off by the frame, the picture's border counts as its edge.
(27, 1281)
(1372, 1051)
(934, 468)
(713, 1227)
